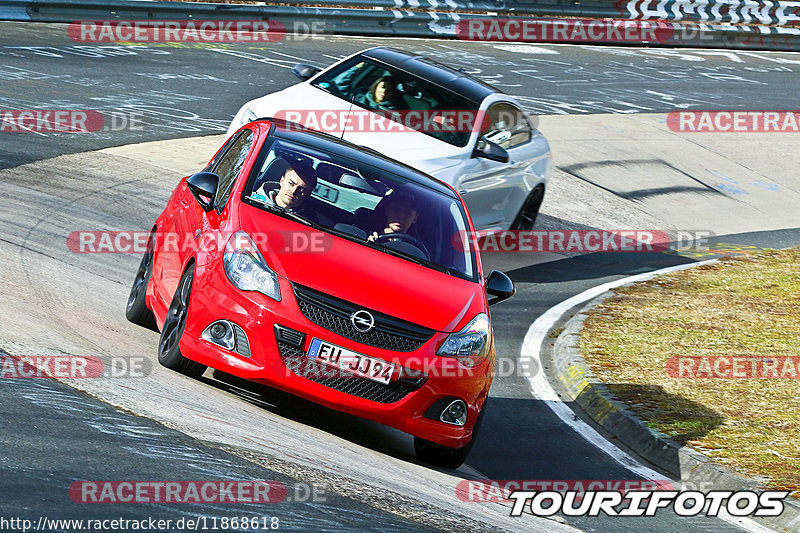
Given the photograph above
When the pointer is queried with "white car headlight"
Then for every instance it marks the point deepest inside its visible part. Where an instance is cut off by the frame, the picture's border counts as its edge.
(248, 116)
(470, 345)
(246, 268)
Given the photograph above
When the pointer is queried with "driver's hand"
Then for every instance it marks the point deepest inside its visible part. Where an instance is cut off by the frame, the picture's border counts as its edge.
(360, 65)
(373, 237)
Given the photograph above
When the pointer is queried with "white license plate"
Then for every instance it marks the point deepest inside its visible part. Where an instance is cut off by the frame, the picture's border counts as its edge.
(326, 193)
(351, 362)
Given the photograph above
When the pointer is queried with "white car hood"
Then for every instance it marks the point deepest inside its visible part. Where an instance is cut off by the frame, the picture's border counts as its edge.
(411, 147)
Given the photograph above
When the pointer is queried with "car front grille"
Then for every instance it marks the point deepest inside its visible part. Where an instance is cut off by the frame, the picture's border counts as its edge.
(333, 314)
(295, 360)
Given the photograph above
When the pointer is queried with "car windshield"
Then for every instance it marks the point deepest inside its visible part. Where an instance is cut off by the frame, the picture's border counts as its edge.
(403, 98)
(365, 204)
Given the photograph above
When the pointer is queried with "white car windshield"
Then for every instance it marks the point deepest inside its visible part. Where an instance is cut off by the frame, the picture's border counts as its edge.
(404, 98)
(365, 204)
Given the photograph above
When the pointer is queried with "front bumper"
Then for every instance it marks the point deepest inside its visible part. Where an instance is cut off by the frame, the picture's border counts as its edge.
(423, 378)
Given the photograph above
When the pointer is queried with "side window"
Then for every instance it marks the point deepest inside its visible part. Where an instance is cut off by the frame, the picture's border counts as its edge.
(354, 80)
(509, 126)
(220, 153)
(230, 164)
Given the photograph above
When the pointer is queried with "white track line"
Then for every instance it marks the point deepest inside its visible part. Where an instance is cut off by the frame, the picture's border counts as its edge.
(543, 391)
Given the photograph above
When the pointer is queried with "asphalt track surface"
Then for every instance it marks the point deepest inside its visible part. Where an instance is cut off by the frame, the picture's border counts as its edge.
(193, 89)
(53, 435)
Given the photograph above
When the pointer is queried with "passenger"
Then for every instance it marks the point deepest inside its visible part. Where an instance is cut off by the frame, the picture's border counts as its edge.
(296, 186)
(381, 95)
(400, 215)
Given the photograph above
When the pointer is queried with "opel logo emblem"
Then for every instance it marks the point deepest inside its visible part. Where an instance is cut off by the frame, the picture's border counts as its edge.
(362, 321)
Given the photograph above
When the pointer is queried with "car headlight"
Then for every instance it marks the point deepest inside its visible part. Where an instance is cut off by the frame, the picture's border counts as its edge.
(246, 268)
(470, 345)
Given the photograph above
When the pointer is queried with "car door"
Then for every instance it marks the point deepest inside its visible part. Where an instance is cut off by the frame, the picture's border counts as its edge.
(208, 225)
(494, 191)
(190, 224)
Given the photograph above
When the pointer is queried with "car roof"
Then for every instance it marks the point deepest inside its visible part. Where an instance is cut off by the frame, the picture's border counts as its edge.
(328, 143)
(427, 69)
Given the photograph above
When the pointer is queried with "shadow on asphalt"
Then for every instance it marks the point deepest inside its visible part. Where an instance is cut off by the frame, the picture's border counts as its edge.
(358, 430)
(526, 427)
(510, 428)
(597, 265)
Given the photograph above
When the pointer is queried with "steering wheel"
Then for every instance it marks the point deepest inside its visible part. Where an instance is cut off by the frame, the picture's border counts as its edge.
(405, 237)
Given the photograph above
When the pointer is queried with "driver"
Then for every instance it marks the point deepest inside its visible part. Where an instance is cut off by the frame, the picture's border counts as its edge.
(400, 215)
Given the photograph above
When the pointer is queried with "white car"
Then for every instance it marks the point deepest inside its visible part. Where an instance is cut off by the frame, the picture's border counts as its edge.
(410, 108)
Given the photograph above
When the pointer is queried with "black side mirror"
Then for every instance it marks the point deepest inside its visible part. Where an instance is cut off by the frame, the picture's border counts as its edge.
(500, 286)
(203, 186)
(489, 150)
(304, 72)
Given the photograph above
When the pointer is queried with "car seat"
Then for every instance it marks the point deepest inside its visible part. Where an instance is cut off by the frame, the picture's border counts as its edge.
(274, 172)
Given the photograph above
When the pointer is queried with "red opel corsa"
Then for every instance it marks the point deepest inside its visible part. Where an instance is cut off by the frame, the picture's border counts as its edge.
(327, 270)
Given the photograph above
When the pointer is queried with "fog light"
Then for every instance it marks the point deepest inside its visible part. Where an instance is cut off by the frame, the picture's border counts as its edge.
(218, 331)
(455, 413)
(221, 334)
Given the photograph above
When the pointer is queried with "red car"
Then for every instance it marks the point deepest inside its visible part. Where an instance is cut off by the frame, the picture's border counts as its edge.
(329, 271)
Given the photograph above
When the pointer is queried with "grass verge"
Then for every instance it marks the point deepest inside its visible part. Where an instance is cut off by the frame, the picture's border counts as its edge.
(742, 315)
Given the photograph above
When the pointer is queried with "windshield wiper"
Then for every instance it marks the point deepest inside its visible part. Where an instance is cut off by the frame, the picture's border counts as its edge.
(413, 259)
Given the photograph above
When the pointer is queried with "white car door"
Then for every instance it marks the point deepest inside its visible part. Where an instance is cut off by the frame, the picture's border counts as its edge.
(494, 191)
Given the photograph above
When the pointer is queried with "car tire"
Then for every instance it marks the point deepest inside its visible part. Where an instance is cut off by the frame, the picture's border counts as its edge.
(136, 309)
(169, 353)
(526, 218)
(445, 456)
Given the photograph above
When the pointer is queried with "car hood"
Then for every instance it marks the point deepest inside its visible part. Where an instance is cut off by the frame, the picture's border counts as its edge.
(361, 275)
(408, 146)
